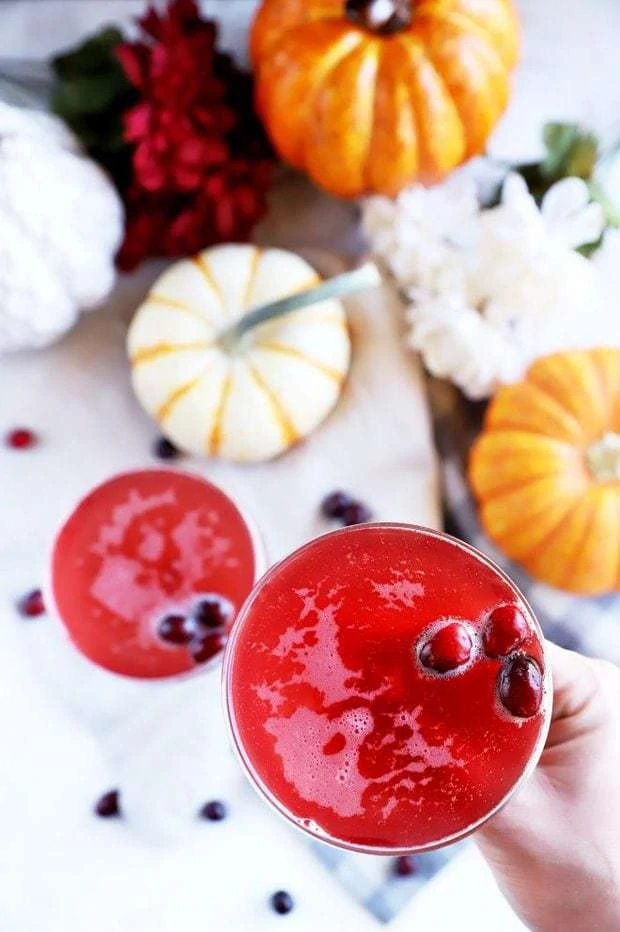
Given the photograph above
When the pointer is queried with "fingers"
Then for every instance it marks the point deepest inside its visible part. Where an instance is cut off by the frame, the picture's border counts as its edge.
(581, 696)
(575, 683)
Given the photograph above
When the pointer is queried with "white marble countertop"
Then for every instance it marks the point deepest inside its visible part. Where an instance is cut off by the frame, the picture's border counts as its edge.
(62, 870)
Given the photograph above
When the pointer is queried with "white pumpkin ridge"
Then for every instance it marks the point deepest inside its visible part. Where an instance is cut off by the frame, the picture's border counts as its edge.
(274, 388)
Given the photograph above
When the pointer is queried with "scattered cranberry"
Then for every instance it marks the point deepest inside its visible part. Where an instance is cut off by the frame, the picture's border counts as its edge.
(164, 449)
(520, 686)
(282, 902)
(448, 648)
(405, 866)
(214, 811)
(357, 513)
(204, 648)
(335, 505)
(176, 629)
(20, 438)
(31, 605)
(345, 508)
(108, 806)
(212, 612)
(505, 629)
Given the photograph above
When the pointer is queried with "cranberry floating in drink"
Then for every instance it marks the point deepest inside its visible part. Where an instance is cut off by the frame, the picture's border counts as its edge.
(505, 630)
(149, 571)
(387, 688)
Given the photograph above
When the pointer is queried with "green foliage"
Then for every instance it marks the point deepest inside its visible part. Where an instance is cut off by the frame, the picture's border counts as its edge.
(91, 93)
(570, 151)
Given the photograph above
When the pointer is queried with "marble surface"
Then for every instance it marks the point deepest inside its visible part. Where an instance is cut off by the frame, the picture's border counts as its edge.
(165, 744)
(62, 870)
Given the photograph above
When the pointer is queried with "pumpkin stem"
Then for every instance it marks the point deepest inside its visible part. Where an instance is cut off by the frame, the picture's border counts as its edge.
(348, 283)
(603, 458)
(384, 17)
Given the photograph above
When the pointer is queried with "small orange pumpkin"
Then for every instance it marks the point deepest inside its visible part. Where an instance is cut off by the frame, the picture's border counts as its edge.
(369, 95)
(546, 470)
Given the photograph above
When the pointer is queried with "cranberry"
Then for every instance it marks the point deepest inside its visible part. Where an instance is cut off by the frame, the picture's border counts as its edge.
(520, 686)
(282, 902)
(208, 646)
(108, 806)
(31, 605)
(212, 612)
(164, 449)
(214, 811)
(335, 505)
(405, 866)
(448, 648)
(176, 629)
(356, 513)
(20, 438)
(506, 628)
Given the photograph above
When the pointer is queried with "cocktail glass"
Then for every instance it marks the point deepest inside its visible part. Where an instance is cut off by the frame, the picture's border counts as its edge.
(387, 688)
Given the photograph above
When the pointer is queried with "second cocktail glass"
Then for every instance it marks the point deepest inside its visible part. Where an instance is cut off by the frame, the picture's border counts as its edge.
(149, 571)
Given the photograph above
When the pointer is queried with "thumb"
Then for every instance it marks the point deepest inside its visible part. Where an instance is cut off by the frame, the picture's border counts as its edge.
(575, 687)
(576, 691)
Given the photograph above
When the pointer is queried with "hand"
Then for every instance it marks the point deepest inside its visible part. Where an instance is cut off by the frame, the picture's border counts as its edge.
(555, 848)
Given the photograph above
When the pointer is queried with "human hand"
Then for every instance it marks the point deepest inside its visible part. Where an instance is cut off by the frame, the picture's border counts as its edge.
(555, 848)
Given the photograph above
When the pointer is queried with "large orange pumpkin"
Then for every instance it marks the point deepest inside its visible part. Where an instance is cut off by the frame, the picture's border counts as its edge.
(368, 95)
(546, 470)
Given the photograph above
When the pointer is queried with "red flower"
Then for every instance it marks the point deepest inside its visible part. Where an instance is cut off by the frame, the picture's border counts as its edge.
(201, 163)
(145, 226)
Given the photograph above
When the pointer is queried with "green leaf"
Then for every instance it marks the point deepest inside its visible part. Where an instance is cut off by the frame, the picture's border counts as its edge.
(91, 93)
(571, 151)
(588, 249)
(87, 93)
(93, 55)
(612, 213)
(99, 135)
(559, 138)
(583, 157)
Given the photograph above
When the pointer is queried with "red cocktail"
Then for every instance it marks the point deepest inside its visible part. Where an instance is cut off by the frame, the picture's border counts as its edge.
(387, 688)
(149, 571)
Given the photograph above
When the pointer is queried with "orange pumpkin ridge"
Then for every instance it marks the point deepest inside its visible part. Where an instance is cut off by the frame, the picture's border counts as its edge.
(371, 95)
(546, 470)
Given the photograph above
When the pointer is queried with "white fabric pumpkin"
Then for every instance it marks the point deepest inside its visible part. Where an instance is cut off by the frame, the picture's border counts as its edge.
(274, 388)
(61, 222)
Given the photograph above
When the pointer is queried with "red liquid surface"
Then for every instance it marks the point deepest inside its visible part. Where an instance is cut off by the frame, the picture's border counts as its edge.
(138, 547)
(335, 716)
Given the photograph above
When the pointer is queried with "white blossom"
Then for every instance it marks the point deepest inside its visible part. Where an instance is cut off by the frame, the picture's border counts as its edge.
(569, 215)
(458, 344)
(491, 289)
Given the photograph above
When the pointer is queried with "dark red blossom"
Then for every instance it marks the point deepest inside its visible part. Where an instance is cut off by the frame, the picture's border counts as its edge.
(201, 163)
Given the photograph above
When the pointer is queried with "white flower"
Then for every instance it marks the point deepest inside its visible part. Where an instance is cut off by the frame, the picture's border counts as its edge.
(491, 289)
(569, 215)
(607, 178)
(422, 235)
(527, 281)
(458, 343)
(566, 216)
(606, 261)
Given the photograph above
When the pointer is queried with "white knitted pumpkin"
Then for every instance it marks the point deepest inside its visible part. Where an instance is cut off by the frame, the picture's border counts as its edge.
(61, 222)
(253, 401)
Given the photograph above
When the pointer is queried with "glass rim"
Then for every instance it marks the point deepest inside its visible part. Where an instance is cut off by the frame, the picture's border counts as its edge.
(47, 587)
(259, 784)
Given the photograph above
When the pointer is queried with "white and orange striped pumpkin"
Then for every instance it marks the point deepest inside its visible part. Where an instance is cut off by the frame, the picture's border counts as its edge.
(250, 403)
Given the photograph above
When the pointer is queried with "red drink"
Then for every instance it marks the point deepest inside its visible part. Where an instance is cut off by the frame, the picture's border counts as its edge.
(149, 571)
(362, 693)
